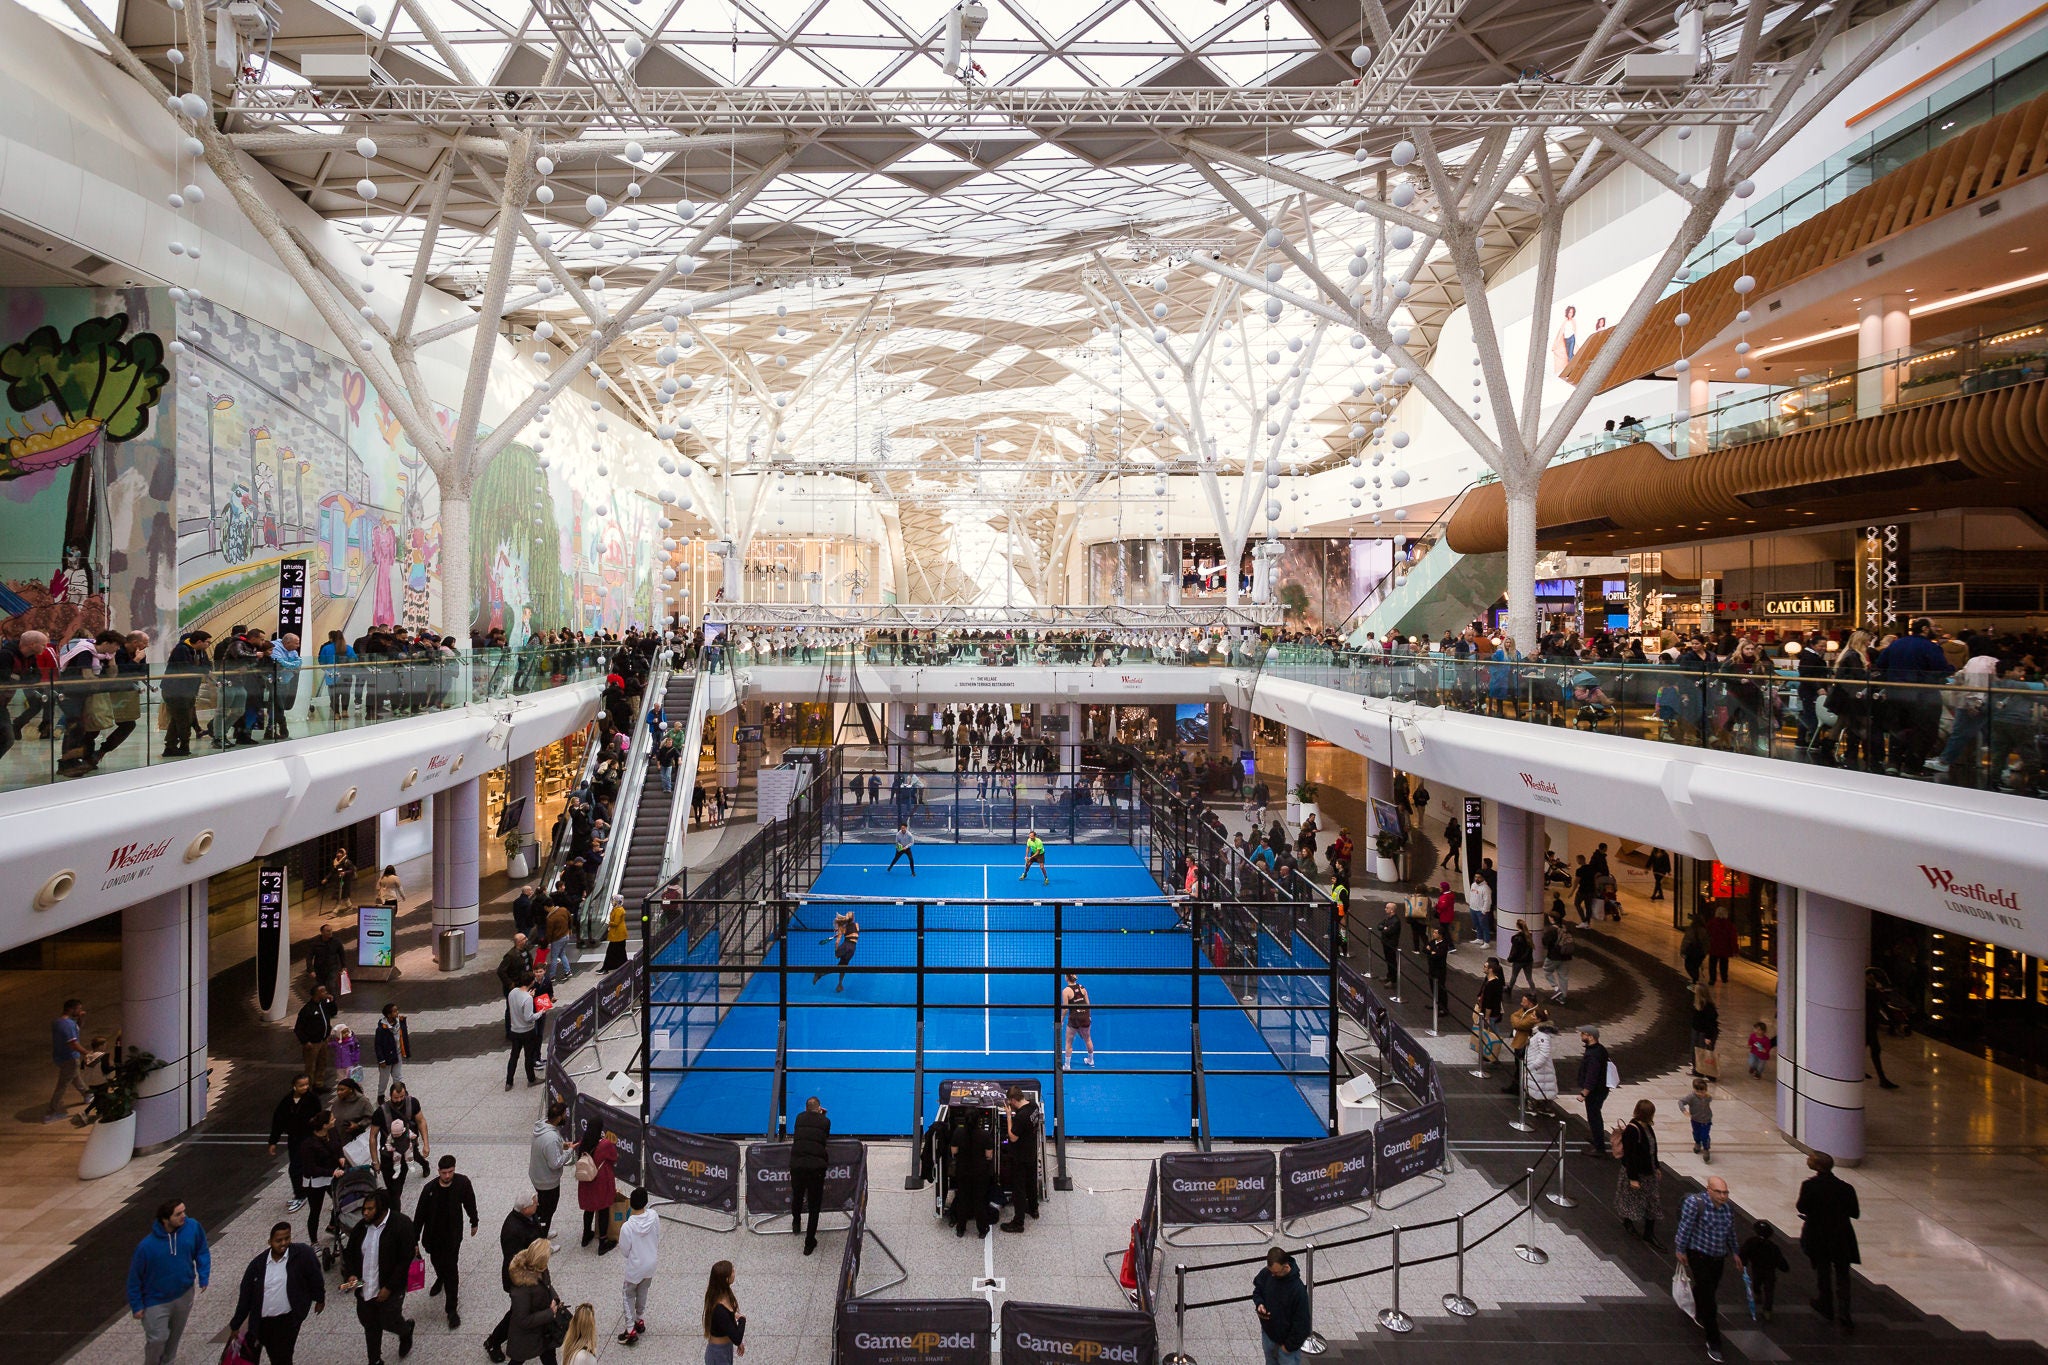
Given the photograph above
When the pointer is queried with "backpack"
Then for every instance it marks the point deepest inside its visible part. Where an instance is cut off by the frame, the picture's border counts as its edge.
(1614, 1138)
(1564, 943)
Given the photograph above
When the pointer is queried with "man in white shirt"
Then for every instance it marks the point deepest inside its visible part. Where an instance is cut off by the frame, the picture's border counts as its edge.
(376, 1264)
(279, 1287)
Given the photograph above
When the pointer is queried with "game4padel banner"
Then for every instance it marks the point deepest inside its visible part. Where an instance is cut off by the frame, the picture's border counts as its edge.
(1325, 1174)
(1216, 1187)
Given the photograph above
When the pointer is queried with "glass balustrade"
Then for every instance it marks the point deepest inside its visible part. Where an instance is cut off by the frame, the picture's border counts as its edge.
(115, 721)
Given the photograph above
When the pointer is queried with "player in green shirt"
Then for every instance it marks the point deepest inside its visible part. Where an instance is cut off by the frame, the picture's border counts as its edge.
(1034, 852)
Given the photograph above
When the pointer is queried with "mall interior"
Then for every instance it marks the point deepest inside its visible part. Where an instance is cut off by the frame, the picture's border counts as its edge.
(1196, 620)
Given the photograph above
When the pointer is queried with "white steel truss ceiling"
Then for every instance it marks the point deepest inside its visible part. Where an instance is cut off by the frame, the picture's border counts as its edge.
(943, 290)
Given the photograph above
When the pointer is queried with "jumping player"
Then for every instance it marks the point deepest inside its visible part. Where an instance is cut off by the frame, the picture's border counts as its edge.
(1034, 852)
(845, 939)
(904, 840)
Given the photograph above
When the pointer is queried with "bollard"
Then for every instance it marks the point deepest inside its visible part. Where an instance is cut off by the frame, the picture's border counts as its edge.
(1455, 1302)
(1395, 998)
(1391, 1318)
(1178, 1355)
(1520, 1122)
(1483, 1049)
(1314, 1344)
(1527, 1249)
(1432, 1010)
(1558, 1195)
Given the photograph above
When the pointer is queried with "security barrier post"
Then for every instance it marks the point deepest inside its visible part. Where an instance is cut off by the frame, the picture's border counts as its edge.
(1455, 1302)
(1391, 1318)
(1314, 1344)
(1527, 1248)
(1558, 1195)
(1178, 1355)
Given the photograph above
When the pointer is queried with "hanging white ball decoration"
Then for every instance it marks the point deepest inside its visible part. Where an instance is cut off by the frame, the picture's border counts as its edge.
(1742, 371)
(1682, 320)
(1745, 283)
(1682, 367)
(366, 148)
(1742, 315)
(1400, 441)
(175, 200)
(1403, 153)
(1273, 307)
(635, 49)
(174, 56)
(1744, 235)
(1744, 188)
(193, 105)
(1399, 478)
(1361, 56)
(177, 248)
(545, 194)
(367, 188)
(686, 265)
(1402, 195)
(366, 16)
(594, 206)
(545, 165)
(1745, 138)
(193, 147)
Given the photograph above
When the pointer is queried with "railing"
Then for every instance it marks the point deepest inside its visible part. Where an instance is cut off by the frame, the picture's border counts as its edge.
(795, 647)
(1988, 737)
(118, 720)
(1974, 361)
(686, 776)
(1987, 90)
(1974, 599)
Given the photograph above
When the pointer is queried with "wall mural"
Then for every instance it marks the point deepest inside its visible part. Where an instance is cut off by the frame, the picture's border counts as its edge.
(86, 534)
(284, 452)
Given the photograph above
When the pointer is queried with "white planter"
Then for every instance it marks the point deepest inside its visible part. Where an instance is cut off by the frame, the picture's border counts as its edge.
(1385, 869)
(109, 1146)
(517, 868)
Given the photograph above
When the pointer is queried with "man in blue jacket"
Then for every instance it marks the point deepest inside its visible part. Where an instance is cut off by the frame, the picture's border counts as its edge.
(1914, 658)
(169, 1266)
(278, 1289)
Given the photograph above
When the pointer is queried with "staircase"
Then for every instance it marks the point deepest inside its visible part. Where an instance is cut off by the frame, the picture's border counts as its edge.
(648, 838)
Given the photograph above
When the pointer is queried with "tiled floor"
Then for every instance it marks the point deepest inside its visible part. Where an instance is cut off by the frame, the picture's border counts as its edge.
(1951, 1188)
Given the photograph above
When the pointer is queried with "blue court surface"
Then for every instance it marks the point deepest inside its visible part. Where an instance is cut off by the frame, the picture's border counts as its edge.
(983, 1023)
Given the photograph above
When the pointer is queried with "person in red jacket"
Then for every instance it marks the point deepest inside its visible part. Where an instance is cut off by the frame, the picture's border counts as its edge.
(595, 1195)
(1720, 944)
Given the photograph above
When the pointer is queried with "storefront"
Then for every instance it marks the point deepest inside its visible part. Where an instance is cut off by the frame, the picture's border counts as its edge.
(1703, 887)
(1985, 999)
(555, 769)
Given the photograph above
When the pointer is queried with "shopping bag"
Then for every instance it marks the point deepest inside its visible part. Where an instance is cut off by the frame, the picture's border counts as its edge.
(1681, 1290)
(416, 1276)
(1703, 1063)
(236, 1352)
(346, 984)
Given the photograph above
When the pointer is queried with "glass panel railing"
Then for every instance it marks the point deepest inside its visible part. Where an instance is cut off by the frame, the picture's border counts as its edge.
(1051, 649)
(133, 715)
(1974, 361)
(1985, 91)
(1988, 736)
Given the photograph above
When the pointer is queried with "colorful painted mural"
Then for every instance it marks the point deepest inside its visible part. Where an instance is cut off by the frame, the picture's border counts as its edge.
(86, 534)
(284, 452)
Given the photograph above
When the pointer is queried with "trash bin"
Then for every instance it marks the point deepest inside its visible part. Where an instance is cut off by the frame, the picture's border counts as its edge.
(448, 950)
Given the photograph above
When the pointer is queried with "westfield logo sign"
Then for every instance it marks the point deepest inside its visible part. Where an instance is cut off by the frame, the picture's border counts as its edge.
(1949, 884)
(1537, 784)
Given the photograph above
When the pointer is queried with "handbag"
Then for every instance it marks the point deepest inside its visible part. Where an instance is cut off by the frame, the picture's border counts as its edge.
(236, 1352)
(1681, 1290)
(346, 984)
(416, 1273)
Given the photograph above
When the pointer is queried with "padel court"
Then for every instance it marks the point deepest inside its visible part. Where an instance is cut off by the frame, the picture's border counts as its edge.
(988, 990)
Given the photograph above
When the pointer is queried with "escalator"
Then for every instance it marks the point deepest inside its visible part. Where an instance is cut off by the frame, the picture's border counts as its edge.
(647, 840)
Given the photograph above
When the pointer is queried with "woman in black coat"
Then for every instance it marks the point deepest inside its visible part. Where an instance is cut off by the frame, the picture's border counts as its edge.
(974, 1170)
(530, 1329)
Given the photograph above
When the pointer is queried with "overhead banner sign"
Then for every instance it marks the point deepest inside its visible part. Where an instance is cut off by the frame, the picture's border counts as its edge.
(700, 1171)
(575, 1024)
(615, 993)
(915, 1332)
(1325, 1174)
(1216, 1188)
(768, 1175)
(271, 984)
(623, 1125)
(291, 598)
(1054, 1334)
(1408, 1145)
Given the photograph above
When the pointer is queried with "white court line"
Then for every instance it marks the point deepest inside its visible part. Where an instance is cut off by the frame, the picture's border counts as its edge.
(984, 956)
(911, 1051)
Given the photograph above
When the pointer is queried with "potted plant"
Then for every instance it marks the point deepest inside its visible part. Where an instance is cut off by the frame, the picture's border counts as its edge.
(1301, 802)
(1386, 851)
(111, 1143)
(515, 855)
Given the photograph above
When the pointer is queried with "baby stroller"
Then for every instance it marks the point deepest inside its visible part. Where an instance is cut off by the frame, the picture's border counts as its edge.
(346, 1209)
(1594, 709)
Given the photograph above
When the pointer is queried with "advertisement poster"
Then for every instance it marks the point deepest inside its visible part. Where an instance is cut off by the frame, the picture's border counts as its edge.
(1056, 1334)
(915, 1332)
(374, 936)
(700, 1171)
(1325, 1174)
(1408, 1145)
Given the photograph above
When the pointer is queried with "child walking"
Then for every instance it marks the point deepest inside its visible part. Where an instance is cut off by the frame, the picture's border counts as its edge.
(1762, 1260)
(1699, 1107)
(1761, 1045)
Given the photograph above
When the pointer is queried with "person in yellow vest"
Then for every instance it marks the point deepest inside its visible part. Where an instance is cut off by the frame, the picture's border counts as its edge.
(1034, 853)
